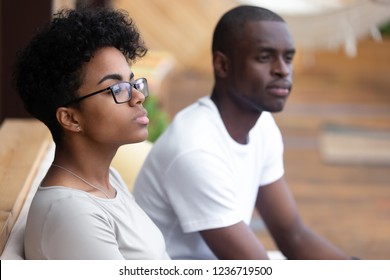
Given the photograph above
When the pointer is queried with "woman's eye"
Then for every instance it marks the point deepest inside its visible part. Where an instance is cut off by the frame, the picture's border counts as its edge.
(116, 90)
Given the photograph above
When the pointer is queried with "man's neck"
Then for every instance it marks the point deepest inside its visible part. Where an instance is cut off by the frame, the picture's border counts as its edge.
(238, 122)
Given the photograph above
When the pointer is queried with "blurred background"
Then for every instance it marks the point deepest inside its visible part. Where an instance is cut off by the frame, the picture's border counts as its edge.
(336, 124)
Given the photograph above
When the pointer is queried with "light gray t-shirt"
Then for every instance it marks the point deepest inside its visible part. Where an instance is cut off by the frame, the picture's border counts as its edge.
(65, 223)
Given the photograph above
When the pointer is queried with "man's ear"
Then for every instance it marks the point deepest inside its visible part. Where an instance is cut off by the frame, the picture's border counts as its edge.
(68, 119)
(220, 64)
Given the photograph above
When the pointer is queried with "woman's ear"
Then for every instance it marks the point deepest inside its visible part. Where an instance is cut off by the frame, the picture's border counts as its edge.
(220, 64)
(68, 119)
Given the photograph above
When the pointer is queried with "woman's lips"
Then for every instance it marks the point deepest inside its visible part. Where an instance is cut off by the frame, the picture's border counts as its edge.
(142, 118)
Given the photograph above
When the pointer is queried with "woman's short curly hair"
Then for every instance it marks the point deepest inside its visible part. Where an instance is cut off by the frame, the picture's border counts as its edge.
(48, 72)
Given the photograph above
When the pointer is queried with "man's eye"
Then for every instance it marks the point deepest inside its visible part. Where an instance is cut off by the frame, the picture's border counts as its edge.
(289, 58)
(264, 57)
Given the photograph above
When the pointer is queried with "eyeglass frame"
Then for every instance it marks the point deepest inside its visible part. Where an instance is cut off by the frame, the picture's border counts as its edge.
(132, 85)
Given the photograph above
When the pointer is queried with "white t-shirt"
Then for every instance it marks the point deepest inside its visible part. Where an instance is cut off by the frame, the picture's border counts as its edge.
(70, 224)
(196, 177)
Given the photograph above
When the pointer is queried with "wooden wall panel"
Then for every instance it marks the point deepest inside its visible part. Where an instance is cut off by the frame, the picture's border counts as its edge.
(183, 28)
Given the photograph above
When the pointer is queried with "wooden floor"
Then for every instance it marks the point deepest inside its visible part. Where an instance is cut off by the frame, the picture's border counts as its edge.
(348, 204)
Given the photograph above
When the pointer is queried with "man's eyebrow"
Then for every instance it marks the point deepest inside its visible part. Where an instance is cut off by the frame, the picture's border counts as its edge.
(111, 77)
(293, 51)
(270, 49)
(265, 49)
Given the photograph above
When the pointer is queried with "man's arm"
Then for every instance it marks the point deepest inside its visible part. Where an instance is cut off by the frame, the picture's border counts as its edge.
(296, 241)
(234, 242)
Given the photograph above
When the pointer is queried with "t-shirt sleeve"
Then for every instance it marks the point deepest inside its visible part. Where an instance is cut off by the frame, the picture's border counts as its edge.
(79, 234)
(202, 194)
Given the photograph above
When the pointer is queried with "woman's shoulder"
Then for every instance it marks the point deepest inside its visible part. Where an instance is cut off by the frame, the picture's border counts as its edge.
(62, 201)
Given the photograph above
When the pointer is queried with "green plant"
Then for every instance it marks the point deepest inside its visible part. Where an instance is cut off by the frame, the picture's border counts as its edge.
(158, 118)
(385, 30)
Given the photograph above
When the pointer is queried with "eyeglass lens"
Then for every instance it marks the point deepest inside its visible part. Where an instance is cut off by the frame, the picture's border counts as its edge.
(122, 91)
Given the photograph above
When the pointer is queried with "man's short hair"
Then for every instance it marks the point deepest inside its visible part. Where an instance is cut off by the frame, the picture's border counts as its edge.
(231, 23)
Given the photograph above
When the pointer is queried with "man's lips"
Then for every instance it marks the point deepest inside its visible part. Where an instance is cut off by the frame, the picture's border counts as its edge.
(279, 89)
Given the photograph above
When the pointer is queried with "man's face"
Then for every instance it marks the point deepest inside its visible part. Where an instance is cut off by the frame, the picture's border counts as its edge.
(261, 69)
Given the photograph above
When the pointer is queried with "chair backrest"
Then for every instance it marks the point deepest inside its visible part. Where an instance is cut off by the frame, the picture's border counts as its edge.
(24, 145)
(14, 248)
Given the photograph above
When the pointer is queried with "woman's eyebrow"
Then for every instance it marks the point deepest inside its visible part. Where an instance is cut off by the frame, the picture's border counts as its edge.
(111, 77)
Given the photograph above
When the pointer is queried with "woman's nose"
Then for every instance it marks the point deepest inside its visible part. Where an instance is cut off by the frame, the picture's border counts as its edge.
(137, 97)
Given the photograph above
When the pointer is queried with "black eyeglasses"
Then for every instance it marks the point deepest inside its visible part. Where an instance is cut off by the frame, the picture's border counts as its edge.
(121, 92)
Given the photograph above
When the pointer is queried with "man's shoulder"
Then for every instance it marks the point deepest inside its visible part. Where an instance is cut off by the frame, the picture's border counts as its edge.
(197, 127)
(198, 112)
(198, 120)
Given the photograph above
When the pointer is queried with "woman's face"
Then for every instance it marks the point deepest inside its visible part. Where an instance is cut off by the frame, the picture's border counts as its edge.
(102, 120)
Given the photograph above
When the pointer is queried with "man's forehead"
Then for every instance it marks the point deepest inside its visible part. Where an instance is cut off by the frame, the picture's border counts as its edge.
(265, 32)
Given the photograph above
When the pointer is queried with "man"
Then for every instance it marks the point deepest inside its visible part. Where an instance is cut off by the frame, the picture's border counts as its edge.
(223, 155)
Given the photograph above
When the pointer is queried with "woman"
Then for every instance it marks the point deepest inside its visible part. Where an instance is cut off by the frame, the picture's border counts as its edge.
(75, 77)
